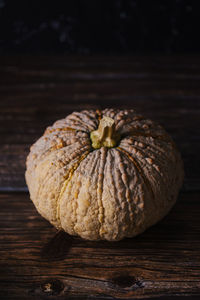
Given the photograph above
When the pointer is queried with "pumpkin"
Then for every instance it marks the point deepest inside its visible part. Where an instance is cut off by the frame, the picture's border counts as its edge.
(104, 175)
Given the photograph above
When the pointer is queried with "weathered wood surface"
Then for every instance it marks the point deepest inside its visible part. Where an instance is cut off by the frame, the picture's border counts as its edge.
(165, 260)
(37, 262)
(34, 92)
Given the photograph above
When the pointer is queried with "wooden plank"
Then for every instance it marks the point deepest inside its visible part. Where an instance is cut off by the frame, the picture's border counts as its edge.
(23, 122)
(39, 263)
(36, 262)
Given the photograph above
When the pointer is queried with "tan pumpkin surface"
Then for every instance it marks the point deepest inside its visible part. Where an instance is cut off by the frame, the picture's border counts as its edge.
(106, 193)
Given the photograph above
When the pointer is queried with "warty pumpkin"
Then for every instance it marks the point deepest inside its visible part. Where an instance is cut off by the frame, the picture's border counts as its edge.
(104, 175)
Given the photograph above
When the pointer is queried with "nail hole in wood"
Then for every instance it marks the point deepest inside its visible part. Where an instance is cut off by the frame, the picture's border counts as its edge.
(126, 281)
(52, 287)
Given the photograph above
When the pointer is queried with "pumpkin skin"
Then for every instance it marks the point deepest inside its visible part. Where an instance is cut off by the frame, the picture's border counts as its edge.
(107, 193)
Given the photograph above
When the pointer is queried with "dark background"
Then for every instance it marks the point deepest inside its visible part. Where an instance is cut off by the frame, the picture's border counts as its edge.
(99, 26)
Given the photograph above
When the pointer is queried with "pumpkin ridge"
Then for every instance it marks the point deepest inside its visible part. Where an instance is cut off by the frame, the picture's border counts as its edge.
(129, 122)
(76, 116)
(94, 161)
(48, 130)
(48, 177)
(112, 178)
(61, 145)
(154, 147)
(65, 183)
(159, 158)
(96, 171)
(51, 149)
(139, 169)
(157, 172)
(94, 118)
(103, 157)
(110, 112)
(124, 180)
(133, 133)
(162, 137)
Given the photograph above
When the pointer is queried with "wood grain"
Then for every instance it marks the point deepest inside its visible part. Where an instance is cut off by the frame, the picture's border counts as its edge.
(37, 262)
(36, 91)
(165, 260)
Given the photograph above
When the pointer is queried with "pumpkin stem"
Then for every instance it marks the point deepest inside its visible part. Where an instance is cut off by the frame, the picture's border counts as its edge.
(105, 135)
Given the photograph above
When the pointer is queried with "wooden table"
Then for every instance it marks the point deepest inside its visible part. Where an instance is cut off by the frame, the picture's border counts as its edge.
(39, 263)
